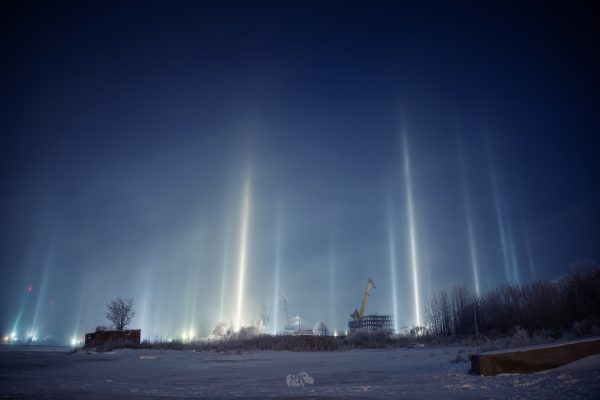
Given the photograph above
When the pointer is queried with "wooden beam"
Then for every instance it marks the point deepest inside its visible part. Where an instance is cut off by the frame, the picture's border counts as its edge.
(533, 358)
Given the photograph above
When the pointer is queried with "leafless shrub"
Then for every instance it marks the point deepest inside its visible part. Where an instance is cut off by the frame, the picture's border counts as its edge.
(461, 356)
(520, 337)
(223, 330)
(249, 343)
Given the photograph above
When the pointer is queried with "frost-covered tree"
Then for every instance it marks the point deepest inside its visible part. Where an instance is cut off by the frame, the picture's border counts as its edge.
(120, 312)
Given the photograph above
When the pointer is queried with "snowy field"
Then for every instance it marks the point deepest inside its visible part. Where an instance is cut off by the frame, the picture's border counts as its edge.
(420, 373)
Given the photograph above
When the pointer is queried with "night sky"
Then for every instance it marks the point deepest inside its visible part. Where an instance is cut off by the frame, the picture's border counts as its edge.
(132, 132)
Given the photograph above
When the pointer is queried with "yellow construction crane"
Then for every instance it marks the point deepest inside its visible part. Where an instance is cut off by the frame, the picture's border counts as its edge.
(356, 315)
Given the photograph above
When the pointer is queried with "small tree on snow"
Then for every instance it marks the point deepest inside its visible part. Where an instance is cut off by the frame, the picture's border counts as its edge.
(120, 312)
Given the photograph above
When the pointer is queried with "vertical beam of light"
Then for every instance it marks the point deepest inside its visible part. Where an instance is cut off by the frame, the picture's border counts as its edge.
(224, 269)
(188, 290)
(529, 254)
(80, 306)
(498, 208)
(332, 318)
(393, 265)
(191, 254)
(525, 237)
(41, 295)
(242, 254)
(15, 326)
(146, 279)
(144, 311)
(278, 239)
(513, 257)
(469, 219)
(411, 231)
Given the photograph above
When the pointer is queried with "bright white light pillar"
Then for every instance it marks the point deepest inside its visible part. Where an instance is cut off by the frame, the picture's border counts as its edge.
(473, 254)
(224, 270)
(243, 252)
(392, 255)
(469, 219)
(414, 262)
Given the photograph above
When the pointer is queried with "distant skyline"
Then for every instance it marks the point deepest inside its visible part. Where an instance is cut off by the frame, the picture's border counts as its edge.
(138, 139)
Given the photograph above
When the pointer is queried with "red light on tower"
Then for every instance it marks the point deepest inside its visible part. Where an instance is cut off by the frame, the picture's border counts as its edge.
(30, 288)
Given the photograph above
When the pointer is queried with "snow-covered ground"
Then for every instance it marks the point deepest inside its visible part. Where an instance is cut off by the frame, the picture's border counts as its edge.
(419, 373)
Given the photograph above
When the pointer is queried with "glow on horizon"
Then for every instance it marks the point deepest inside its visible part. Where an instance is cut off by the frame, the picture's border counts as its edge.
(411, 230)
(393, 266)
(243, 250)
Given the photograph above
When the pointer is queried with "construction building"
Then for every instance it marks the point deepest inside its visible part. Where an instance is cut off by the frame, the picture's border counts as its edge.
(370, 323)
(373, 323)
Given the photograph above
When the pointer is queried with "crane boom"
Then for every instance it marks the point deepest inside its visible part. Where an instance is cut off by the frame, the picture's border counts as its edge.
(356, 315)
(363, 307)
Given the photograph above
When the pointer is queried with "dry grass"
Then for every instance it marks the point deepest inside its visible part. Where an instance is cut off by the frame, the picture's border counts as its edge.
(357, 340)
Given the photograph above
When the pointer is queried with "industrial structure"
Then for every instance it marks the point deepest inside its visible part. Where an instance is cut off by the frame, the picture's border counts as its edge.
(295, 325)
(370, 323)
(298, 326)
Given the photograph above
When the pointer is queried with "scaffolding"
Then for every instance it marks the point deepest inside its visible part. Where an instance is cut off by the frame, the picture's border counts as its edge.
(373, 323)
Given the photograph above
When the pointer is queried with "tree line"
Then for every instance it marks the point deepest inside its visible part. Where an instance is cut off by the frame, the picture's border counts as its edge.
(558, 306)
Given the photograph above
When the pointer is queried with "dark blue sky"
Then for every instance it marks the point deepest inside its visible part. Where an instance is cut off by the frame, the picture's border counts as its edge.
(129, 129)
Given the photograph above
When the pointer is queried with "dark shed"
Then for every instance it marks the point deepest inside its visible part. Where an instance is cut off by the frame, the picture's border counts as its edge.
(103, 338)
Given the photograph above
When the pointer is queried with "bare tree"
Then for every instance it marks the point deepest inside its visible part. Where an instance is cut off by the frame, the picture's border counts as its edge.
(572, 302)
(120, 312)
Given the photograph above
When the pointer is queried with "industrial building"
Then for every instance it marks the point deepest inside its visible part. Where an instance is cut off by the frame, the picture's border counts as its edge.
(373, 323)
(370, 323)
